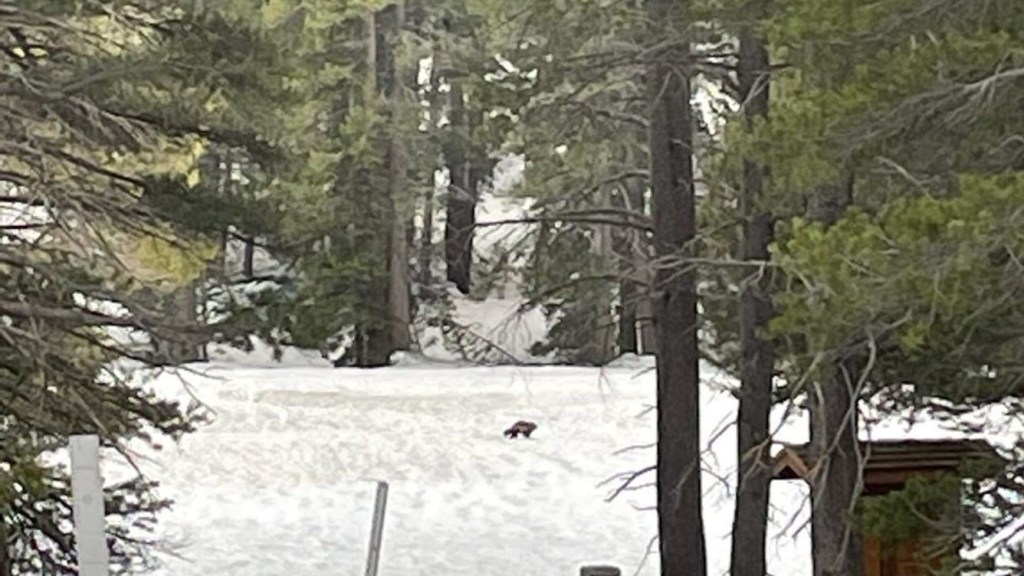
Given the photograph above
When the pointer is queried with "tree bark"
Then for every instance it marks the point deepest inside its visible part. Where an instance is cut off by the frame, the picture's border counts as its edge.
(390, 22)
(829, 201)
(6, 569)
(248, 256)
(462, 194)
(399, 303)
(426, 254)
(837, 547)
(372, 343)
(604, 335)
(180, 306)
(750, 521)
(627, 341)
(644, 311)
(670, 135)
(644, 317)
(629, 288)
(426, 248)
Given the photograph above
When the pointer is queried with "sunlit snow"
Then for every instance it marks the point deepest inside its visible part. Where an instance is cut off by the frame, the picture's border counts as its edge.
(281, 483)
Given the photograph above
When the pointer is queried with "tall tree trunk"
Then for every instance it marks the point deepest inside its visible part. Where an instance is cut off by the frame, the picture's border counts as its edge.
(837, 546)
(750, 522)
(203, 305)
(645, 318)
(469, 166)
(426, 252)
(219, 165)
(248, 256)
(644, 311)
(628, 292)
(628, 295)
(180, 306)
(462, 194)
(6, 568)
(602, 341)
(372, 342)
(390, 77)
(399, 304)
(670, 133)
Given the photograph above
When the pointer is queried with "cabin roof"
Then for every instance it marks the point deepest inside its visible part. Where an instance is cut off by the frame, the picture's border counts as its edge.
(892, 456)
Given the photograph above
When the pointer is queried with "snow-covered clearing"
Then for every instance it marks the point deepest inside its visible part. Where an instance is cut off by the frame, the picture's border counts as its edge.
(282, 481)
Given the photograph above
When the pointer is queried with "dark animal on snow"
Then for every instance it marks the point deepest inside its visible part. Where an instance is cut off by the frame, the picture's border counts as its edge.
(521, 427)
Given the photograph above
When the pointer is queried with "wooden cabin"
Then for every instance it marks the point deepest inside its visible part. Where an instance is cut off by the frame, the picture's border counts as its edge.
(888, 465)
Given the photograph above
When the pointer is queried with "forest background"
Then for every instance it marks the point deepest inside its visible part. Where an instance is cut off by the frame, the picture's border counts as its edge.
(822, 199)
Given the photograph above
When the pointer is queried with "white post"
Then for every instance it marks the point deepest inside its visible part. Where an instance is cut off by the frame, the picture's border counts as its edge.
(87, 506)
(377, 528)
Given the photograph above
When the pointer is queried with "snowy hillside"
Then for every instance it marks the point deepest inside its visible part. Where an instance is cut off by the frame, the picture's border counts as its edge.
(281, 482)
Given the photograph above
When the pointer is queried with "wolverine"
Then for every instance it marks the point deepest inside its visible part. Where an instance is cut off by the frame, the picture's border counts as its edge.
(521, 427)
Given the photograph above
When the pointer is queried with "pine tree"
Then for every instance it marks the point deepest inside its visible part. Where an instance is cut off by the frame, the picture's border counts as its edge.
(885, 263)
(81, 243)
(673, 199)
(757, 354)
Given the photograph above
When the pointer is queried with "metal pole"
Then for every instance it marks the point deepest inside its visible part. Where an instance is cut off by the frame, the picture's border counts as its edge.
(377, 529)
(87, 506)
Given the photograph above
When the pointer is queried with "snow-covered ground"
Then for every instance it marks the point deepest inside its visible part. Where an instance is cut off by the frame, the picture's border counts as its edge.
(281, 483)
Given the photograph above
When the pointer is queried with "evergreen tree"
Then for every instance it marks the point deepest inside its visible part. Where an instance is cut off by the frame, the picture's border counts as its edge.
(570, 93)
(79, 247)
(879, 134)
(757, 354)
(673, 199)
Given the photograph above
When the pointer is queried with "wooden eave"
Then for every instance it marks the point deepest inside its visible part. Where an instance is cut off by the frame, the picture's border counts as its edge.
(890, 460)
